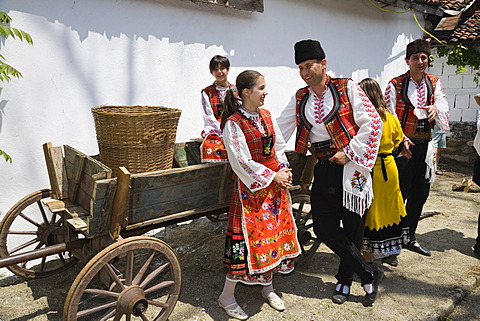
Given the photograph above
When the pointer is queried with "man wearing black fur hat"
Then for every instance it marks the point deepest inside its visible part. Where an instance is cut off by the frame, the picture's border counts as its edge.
(418, 100)
(334, 118)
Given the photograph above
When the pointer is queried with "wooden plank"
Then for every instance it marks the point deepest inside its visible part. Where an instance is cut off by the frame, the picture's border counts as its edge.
(54, 205)
(226, 185)
(94, 167)
(56, 170)
(176, 189)
(192, 150)
(75, 210)
(168, 208)
(99, 222)
(74, 185)
(77, 223)
(178, 216)
(173, 177)
(120, 205)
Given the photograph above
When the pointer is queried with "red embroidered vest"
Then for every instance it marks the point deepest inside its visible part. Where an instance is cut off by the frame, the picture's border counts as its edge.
(254, 137)
(217, 105)
(405, 114)
(339, 122)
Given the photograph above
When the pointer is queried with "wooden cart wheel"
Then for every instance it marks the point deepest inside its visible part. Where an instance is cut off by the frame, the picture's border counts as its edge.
(28, 226)
(306, 237)
(136, 278)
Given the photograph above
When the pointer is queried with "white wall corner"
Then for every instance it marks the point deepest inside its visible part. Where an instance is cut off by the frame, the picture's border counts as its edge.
(469, 115)
(462, 101)
(468, 82)
(455, 114)
(455, 81)
(449, 69)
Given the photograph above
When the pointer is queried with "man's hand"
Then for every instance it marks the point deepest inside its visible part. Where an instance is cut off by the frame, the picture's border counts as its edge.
(339, 158)
(432, 112)
(406, 152)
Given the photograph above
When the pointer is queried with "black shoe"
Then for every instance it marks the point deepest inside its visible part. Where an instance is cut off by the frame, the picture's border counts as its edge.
(416, 247)
(391, 260)
(377, 279)
(476, 252)
(339, 296)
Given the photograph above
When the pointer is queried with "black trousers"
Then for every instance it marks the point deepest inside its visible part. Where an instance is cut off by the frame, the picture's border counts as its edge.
(477, 244)
(415, 188)
(476, 179)
(328, 213)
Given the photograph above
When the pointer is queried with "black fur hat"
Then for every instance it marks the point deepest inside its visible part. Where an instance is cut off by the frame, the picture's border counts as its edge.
(417, 46)
(308, 49)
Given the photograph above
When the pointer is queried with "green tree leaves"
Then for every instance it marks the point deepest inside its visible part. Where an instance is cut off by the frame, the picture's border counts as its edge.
(6, 70)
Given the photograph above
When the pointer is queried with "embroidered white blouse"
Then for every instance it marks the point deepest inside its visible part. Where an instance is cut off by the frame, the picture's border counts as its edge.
(417, 93)
(211, 124)
(250, 172)
(363, 147)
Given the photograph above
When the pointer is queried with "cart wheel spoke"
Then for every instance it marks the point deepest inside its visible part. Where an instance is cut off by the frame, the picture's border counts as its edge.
(42, 211)
(109, 315)
(29, 220)
(54, 217)
(129, 270)
(29, 217)
(102, 292)
(159, 286)
(114, 275)
(96, 309)
(96, 286)
(22, 232)
(143, 269)
(157, 304)
(152, 275)
(118, 317)
(24, 245)
(309, 243)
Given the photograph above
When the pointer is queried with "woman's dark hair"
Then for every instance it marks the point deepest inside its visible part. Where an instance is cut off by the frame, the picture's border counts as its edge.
(374, 93)
(245, 80)
(219, 60)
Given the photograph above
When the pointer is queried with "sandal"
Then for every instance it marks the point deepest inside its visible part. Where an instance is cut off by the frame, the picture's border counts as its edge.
(439, 172)
(275, 302)
(236, 312)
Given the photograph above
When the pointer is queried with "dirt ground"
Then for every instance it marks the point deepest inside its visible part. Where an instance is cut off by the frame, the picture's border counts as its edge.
(420, 288)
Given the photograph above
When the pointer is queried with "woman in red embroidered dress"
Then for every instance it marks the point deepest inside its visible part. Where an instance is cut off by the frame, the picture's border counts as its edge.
(261, 237)
(212, 148)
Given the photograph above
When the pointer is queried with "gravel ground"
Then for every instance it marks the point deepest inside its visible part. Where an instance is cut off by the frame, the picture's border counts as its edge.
(420, 288)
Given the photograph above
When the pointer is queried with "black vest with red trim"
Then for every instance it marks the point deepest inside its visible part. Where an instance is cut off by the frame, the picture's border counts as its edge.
(340, 123)
(404, 108)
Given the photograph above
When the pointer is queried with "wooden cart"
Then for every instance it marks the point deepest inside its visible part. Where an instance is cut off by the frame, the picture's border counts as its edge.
(89, 216)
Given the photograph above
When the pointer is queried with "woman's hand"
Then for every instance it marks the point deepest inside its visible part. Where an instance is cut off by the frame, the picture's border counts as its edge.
(284, 177)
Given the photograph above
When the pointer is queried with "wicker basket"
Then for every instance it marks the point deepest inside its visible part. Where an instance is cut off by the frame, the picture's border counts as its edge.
(140, 138)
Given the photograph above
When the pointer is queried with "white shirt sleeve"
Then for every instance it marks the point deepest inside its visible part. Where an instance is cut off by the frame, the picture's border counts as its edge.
(287, 121)
(211, 124)
(280, 146)
(391, 98)
(363, 147)
(441, 104)
(253, 174)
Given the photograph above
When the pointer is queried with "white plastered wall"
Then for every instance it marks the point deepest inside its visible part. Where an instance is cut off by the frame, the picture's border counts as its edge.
(88, 53)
